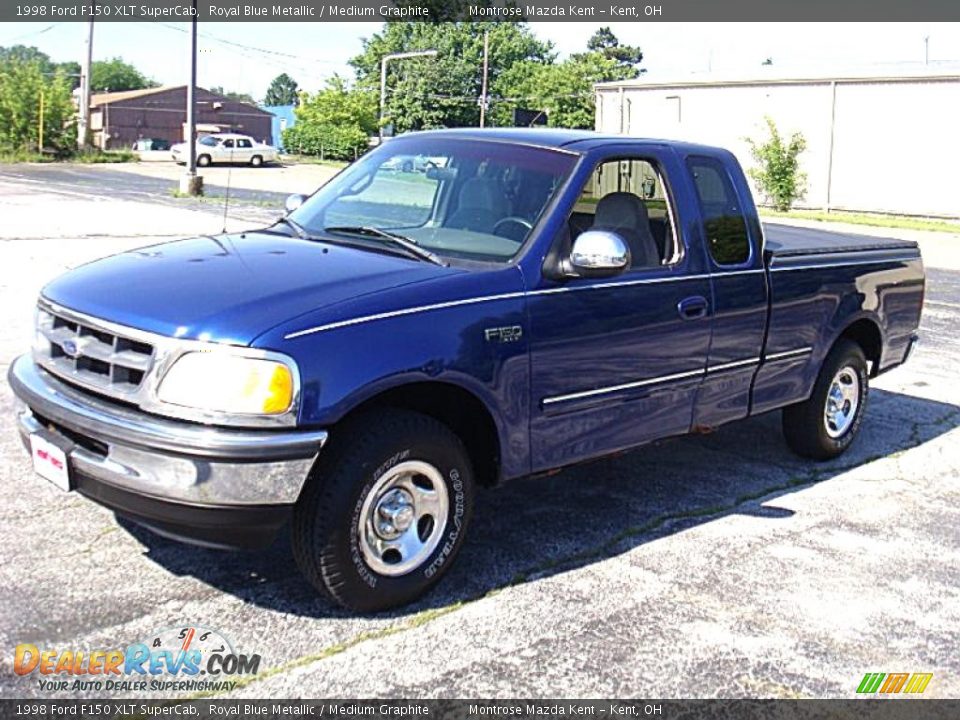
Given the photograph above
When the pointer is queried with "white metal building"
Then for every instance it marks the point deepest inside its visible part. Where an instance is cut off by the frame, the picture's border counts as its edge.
(875, 142)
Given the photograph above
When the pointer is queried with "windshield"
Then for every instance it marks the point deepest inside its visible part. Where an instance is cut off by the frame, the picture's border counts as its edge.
(467, 199)
(208, 140)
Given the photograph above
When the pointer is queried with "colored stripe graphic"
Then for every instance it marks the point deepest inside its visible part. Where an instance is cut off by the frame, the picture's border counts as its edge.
(914, 683)
(894, 683)
(918, 682)
(870, 682)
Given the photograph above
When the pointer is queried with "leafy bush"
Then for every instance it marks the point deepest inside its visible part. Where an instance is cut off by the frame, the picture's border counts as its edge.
(778, 173)
(21, 84)
(333, 142)
(333, 123)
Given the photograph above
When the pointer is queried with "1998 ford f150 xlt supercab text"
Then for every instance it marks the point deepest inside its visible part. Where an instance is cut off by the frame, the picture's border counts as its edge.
(521, 301)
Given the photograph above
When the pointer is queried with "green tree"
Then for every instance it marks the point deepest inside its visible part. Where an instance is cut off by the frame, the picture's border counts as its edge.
(627, 57)
(116, 75)
(334, 123)
(24, 53)
(564, 91)
(238, 96)
(283, 90)
(22, 82)
(778, 172)
(443, 91)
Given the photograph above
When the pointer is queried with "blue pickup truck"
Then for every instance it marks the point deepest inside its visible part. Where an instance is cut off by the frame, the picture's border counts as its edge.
(522, 301)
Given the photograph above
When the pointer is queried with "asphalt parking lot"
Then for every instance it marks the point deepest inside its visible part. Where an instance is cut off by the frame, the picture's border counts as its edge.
(709, 566)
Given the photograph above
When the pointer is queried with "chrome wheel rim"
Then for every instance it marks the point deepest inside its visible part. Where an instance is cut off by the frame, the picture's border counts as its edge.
(843, 401)
(403, 518)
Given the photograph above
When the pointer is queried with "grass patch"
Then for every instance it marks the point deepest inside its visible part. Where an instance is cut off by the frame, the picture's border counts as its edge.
(87, 157)
(312, 160)
(873, 220)
(24, 156)
(96, 157)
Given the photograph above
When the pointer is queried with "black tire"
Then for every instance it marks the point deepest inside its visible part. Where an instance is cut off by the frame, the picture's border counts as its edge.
(203, 160)
(326, 538)
(256, 161)
(804, 424)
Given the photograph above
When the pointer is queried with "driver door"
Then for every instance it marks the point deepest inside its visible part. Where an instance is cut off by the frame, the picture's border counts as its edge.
(617, 361)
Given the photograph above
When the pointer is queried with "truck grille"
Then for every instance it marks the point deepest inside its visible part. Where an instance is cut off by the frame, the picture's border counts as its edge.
(92, 357)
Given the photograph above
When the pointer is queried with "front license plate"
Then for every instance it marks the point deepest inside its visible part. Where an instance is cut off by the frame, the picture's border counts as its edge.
(50, 462)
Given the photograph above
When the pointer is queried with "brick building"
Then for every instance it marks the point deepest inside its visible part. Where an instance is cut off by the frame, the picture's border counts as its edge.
(119, 119)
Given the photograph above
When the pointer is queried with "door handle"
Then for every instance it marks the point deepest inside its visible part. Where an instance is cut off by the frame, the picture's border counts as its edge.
(693, 307)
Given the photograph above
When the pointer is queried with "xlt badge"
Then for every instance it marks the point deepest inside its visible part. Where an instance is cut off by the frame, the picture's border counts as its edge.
(508, 334)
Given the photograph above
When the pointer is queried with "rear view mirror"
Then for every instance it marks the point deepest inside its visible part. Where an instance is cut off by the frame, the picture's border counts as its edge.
(293, 202)
(599, 253)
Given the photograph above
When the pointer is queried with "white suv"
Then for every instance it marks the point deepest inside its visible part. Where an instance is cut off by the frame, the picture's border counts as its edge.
(227, 148)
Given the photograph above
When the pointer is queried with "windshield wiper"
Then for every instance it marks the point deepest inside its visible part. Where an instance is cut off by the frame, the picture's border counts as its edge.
(296, 227)
(399, 240)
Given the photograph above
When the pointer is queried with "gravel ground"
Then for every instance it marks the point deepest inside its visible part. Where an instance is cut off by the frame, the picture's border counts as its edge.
(709, 566)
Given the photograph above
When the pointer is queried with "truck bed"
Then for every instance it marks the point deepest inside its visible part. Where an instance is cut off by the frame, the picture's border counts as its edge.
(789, 241)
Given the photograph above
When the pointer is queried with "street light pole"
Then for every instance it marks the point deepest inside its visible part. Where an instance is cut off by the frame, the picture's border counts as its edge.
(83, 121)
(483, 92)
(383, 77)
(191, 183)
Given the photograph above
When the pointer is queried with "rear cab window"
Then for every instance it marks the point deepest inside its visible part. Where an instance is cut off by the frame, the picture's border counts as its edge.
(724, 222)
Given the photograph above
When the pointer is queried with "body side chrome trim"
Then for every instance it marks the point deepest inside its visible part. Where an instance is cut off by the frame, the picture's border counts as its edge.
(786, 354)
(734, 364)
(624, 386)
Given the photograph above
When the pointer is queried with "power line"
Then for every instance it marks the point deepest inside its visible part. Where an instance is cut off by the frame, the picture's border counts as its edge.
(31, 34)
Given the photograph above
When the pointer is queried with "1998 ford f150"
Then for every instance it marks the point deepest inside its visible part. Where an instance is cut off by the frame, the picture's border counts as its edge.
(521, 301)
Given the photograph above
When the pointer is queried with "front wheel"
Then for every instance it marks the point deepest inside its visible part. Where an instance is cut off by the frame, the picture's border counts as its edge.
(203, 160)
(825, 425)
(385, 512)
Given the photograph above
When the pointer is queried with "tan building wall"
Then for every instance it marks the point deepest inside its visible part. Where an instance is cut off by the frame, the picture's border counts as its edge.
(873, 144)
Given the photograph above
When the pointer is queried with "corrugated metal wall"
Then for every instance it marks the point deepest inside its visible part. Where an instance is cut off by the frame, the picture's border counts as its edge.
(895, 143)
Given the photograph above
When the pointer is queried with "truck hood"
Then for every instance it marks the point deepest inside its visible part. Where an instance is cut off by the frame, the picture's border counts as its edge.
(230, 288)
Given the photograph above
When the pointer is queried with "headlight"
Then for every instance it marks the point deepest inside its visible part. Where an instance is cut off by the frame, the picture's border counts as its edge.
(226, 383)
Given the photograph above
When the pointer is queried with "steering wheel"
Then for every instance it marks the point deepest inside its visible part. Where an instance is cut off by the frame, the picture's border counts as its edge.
(523, 222)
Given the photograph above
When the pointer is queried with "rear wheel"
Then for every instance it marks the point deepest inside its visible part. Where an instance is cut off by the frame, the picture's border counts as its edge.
(825, 425)
(385, 512)
(203, 160)
(256, 161)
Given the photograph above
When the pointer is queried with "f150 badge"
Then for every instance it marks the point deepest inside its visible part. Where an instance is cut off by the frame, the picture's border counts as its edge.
(508, 334)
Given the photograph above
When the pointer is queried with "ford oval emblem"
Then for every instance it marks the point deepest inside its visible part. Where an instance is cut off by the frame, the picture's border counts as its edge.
(71, 348)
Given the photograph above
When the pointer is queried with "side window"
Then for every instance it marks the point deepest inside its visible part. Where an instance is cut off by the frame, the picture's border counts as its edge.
(723, 220)
(228, 144)
(629, 197)
(244, 143)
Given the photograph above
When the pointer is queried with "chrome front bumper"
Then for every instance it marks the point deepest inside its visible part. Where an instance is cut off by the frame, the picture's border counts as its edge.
(163, 460)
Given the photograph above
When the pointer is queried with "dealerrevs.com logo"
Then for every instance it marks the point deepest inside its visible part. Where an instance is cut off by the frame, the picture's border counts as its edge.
(181, 659)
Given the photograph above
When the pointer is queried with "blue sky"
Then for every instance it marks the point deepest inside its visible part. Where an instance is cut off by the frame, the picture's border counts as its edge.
(311, 52)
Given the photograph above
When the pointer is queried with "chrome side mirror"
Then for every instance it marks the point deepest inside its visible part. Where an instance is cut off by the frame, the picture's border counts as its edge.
(293, 202)
(599, 253)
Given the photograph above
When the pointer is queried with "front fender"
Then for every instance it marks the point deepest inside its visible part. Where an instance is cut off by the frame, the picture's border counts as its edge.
(346, 365)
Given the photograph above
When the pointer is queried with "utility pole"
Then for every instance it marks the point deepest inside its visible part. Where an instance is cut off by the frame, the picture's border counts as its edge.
(486, 66)
(40, 132)
(83, 122)
(190, 182)
(926, 50)
(383, 78)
